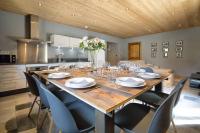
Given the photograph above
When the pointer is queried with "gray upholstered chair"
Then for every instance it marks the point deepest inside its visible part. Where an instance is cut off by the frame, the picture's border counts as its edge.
(156, 98)
(77, 117)
(65, 97)
(130, 116)
(33, 89)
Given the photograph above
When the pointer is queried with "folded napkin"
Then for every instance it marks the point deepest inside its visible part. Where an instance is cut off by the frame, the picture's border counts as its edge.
(149, 75)
(142, 70)
(80, 83)
(57, 75)
(131, 81)
(152, 74)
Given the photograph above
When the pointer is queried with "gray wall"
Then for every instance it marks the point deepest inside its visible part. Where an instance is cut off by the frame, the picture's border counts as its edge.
(191, 50)
(13, 25)
(47, 28)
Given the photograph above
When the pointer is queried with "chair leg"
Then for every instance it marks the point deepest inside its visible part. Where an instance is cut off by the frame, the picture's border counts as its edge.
(38, 115)
(32, 106)
(45, 117)
(173, 124)
(51, 124)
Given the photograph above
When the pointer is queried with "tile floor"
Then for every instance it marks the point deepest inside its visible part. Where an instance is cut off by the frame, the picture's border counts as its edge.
(14, 110)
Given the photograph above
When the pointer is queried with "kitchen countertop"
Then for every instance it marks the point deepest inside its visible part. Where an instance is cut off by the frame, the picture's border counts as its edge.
(52, 64)
(39, 64)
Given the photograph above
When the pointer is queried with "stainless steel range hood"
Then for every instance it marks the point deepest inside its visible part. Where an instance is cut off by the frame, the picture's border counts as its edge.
(32, 49)
(32, 32)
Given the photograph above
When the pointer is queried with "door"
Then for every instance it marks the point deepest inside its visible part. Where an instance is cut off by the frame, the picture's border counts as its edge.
(112, 53)
(134, 51)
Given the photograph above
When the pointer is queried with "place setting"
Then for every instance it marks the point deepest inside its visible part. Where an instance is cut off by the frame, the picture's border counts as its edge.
(148, 75)
(59, 75)
(80, 83)
(131, 82)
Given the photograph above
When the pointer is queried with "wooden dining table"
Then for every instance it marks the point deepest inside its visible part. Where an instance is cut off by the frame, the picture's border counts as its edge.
(106, 96)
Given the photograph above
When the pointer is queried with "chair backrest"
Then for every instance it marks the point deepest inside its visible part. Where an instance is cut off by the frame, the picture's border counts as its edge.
(43, 97)
(60, 113)
(147, 69)
(32, 84)
(182, 82)
(162, 117)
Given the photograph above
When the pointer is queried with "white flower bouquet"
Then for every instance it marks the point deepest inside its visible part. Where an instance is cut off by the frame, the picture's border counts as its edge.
(92, 44)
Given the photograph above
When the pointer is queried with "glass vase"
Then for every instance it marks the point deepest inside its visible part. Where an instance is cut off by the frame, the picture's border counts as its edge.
(92, 55)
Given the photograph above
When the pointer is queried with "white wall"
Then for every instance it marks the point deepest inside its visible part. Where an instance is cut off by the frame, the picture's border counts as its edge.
(191, 50)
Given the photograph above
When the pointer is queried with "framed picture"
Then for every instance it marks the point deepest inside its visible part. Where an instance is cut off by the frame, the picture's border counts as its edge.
(179, 49)
(153, 49)
(165, 49)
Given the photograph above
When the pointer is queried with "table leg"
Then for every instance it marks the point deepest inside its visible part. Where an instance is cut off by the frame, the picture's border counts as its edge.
(158, 87)
(104, 123)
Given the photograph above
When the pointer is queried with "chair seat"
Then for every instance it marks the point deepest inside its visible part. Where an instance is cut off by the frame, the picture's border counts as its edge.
(129, 116)
(83, 114)
(153, 98)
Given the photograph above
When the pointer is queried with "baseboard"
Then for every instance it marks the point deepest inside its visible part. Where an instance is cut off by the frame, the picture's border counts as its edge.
(13, 92)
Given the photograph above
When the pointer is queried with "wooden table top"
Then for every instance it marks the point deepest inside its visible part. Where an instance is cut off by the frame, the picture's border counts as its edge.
(106, 96)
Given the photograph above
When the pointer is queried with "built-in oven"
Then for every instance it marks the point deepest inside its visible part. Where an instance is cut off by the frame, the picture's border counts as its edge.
(7, 59)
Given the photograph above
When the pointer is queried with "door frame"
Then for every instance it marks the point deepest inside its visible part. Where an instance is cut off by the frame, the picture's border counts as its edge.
(134, 43)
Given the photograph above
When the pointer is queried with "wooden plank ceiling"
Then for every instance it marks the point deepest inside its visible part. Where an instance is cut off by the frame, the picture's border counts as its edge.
(122, 18)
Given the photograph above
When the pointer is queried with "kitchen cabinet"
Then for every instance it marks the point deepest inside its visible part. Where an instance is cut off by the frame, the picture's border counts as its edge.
(74, 42)
(64, 41)
(12, 77)
(60, 41)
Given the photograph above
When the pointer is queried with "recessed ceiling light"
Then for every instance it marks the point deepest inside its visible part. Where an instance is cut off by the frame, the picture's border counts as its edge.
(86, 27)
(40, 4)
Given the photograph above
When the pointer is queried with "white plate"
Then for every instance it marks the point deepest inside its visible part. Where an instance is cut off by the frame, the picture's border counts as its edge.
(129, 82)
(81, 82)
(149, 75)
(59, 75)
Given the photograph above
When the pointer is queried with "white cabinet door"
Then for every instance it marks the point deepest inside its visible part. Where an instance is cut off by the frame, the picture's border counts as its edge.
(74, 42)
(59, 40)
